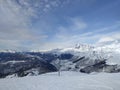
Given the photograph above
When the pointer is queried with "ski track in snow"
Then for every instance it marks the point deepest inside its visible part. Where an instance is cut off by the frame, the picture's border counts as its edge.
(67, 81)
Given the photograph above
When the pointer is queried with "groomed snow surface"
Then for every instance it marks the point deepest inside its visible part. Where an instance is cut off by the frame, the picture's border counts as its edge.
(67, 81)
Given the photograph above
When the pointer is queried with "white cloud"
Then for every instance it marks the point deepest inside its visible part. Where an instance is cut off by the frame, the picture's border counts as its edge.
(75, 24)
(105, 39)
(15, 19)
(110, 37)
(14, 22)
(92, 37)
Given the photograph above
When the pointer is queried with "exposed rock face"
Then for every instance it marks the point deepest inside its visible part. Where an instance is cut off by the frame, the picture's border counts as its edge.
(87, 65)
(100, 67)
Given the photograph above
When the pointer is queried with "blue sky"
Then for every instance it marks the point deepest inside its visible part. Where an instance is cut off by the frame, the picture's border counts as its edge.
(49, 24)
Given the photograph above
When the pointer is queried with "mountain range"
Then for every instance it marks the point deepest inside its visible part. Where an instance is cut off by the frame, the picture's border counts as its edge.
(102, 57)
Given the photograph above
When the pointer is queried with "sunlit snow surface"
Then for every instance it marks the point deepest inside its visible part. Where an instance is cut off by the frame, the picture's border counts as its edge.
(67, 81)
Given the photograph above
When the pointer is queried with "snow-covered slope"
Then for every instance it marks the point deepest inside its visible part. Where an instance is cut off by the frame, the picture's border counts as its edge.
(67, 81)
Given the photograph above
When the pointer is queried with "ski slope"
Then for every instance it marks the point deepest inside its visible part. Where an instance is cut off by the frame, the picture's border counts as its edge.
(67, 81)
